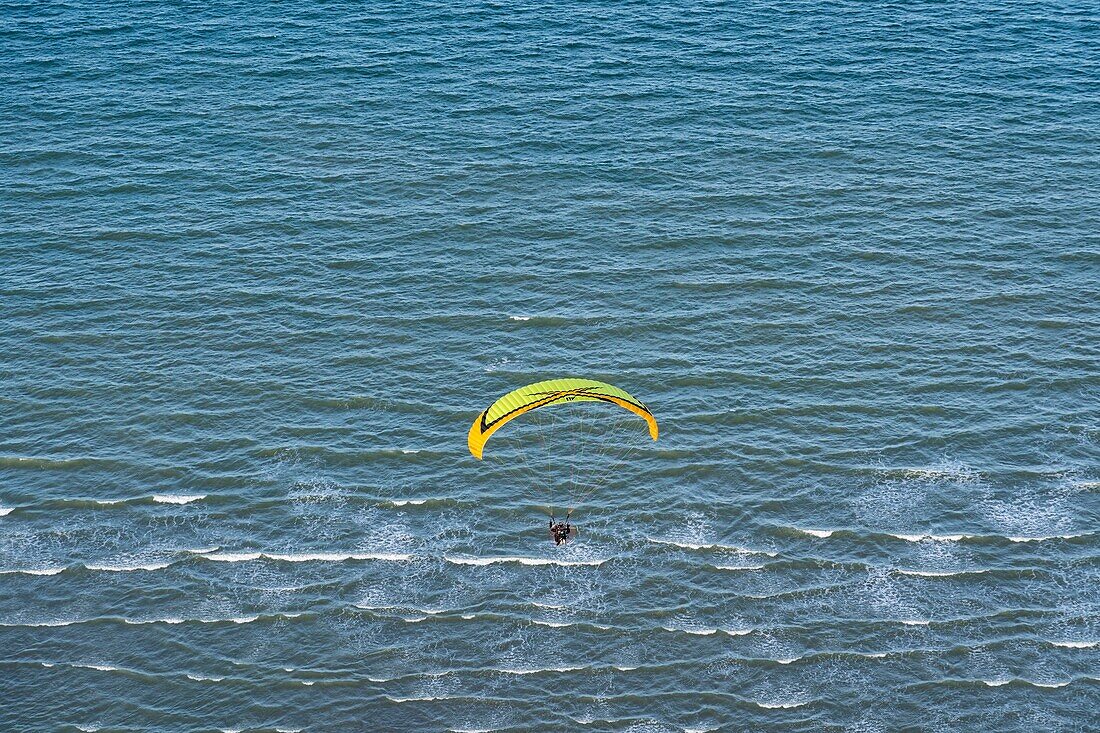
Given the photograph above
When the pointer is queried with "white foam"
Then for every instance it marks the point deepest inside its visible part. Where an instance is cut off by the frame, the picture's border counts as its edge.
(940, 573)
(778, 705)
(951, 472)
(737, 632)
(915, 622)
(403, 502)
(201, 678)
(1076, 644)
(624, 669)
(788, 660)
(540, 671)
(551, 624)
(738, 567)
(99, 667)
(419, 699)
(712, 546)
(6, 510)
(232, 556)
(1051, 684)
(520, 560)
(129, 568)
(367, 607)
(519, 318)
(996, 683)
(959, 537)
(335, 556)
(548, 605)
(822, 533)
(33, 571)
(177, 498)
(36, 624)
(414, 619)
(696, 632)
(306, 556)
(176, 620)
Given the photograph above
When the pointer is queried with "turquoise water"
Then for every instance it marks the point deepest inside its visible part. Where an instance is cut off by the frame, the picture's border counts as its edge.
(263, 264)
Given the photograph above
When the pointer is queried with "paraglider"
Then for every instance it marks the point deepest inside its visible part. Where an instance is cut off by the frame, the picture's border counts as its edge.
(561, 531)
(584, 440)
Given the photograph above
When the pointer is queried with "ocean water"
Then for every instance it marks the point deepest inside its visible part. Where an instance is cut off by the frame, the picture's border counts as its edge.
(262, 264)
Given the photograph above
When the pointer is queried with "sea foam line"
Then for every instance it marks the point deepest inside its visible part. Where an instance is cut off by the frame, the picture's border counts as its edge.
(546, 670)
(1076, 644)
(1000, 682)
(778, 705)
(177, 498)
(963, 537)
(32, 571)
(306, 556)
(562, 625)
(520, 560)
(1044, 538)
(129, 568)
(822, 533)
(940, 573)
(110, 567)
(427, 698)
(97, 667)
(143, 622)
(708, 631)
(88, 566)
(712, 546)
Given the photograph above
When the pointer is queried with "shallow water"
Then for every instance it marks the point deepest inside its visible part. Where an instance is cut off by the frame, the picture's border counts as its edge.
(263, 265)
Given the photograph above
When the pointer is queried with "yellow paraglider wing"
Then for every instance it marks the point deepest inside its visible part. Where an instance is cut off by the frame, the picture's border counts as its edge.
(550, 392)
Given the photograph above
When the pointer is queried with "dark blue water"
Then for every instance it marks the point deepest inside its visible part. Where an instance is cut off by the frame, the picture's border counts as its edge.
(261, 265)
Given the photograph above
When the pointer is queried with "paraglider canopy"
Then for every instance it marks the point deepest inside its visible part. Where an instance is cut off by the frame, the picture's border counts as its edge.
(546, 394)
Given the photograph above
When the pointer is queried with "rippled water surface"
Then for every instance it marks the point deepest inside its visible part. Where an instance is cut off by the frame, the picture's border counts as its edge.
(263, 264)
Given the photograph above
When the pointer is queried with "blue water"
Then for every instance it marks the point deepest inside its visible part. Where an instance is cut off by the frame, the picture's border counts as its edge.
(262, 264)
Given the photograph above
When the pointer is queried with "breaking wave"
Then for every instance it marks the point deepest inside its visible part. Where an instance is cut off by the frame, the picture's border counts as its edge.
(460, 560)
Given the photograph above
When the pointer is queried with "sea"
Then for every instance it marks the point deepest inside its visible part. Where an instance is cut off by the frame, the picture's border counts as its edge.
(262, 264)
